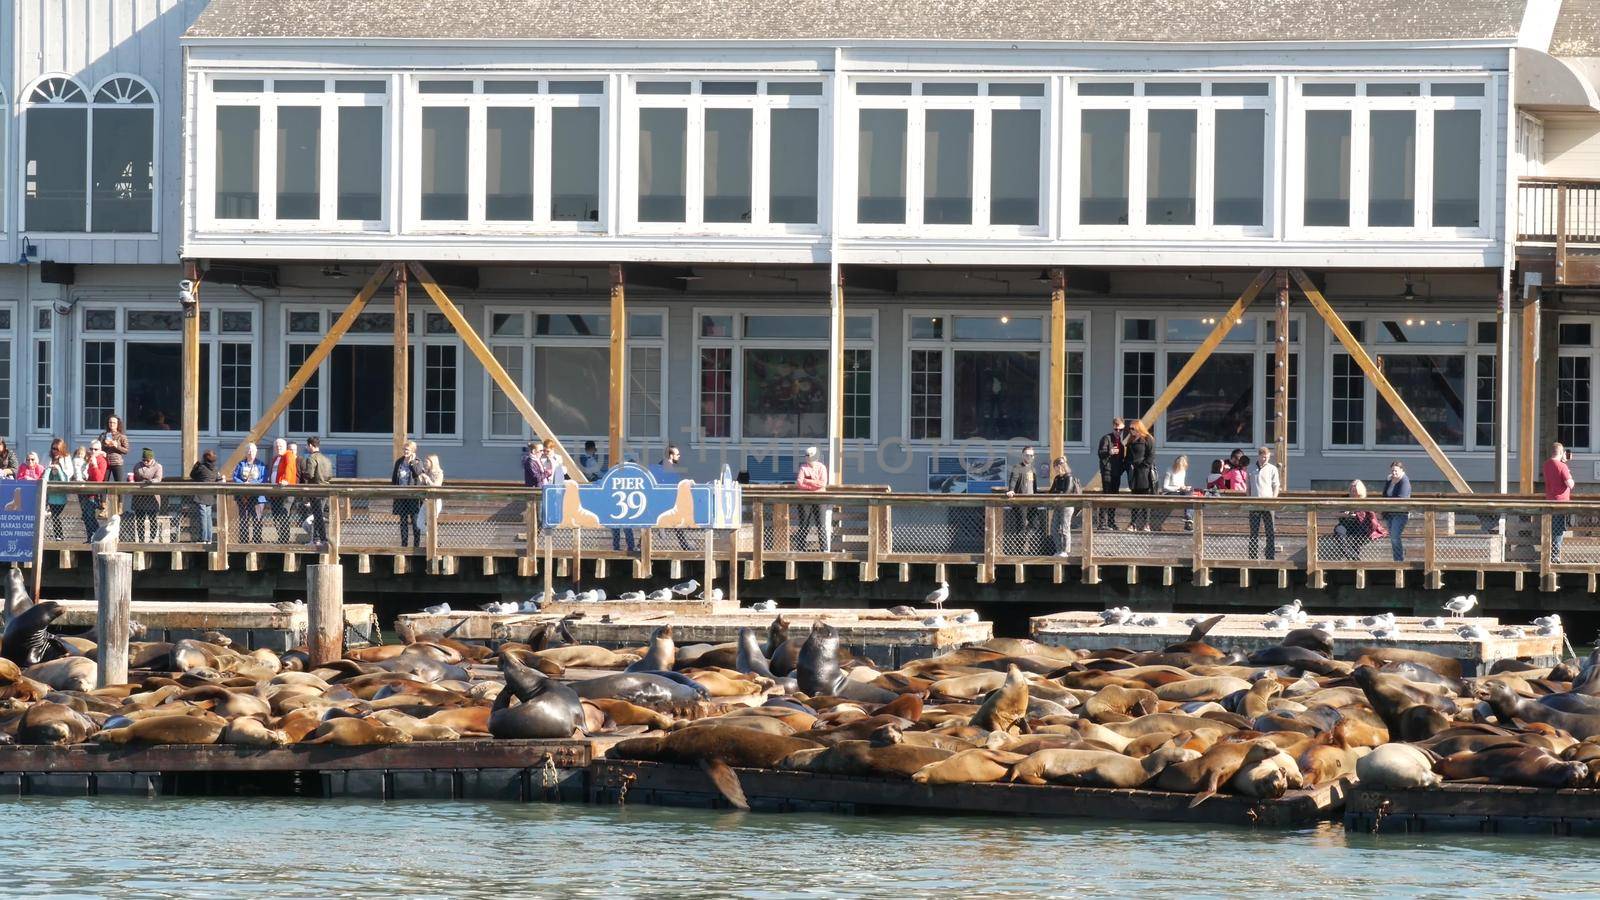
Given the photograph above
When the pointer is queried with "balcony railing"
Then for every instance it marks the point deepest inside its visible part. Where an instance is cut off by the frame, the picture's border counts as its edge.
(1565, 214)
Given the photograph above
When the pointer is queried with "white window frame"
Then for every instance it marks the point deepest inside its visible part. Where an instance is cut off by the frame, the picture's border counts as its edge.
(477, 105)
(917, 105)
(90, 104)
(530, 344)
(1360, 107)
(738, 343)
(32, 384)
(417, 340)
(1470, 351)
(19, 335)
(948, 345)
(696, 103)
(1262, 348)
(1139, 107)
(1593, 355)
(121, 336)
(268, 101)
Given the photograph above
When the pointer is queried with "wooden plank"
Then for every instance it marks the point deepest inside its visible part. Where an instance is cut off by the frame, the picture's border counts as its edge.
(1381, 383)
(309, 368)
(402, 372)
(758, 541)
(1177, 383)
(191, 369)
(1058, 364)
(1280, 380)
(619, 355)
(513, 391)
(1528, 451)
(300, 757)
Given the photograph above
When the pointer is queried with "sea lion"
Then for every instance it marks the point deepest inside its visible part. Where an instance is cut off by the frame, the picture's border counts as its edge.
(546, 708)
(1317, 639)
(621, 712)
(651, 689)
(586, 656)
(661, 654)
(866, 759)
(1392, 695)
(1214, 687)
(1005, 705)
(247, 732)
(750, 660)
(976, 766)
(26, 640)
(65, 673)
(53, 723)
(1447, 666)
(1269, 778)
(1215, 768)
(1522, 766)
(1507, 705)
(817, 669)
(1096, 768)
(715, 750)
(164, 730)
(1299, 658)
(349, 732)
(470, 720)
(1397, 767)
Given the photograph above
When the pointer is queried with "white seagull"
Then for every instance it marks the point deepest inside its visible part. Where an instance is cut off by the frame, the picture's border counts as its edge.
(939, 596)
(592, 596)
(1379, 621)
(934, 621)
(1116, 615)
(712, 595)
(660, 595)
(442, 609)
(1154, 620)
(967, 618)
(687, 588)
(289, 606)
(566, 596)
(498, 608)
(1385, 632)
(902, 611)
(1551, 621)
(1515, 632)
(631, 596)
(1275, 624)
(765, 606)
(529, 605)
(1459, 605)
(1288, 610)
(105, 540)
(1473, 632)
(1434, 622)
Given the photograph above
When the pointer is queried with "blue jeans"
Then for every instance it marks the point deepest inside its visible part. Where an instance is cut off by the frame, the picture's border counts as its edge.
(1397, 531)
(616, 539)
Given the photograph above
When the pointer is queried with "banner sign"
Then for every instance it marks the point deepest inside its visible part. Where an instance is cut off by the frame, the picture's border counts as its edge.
(629, 496)
(19, 520)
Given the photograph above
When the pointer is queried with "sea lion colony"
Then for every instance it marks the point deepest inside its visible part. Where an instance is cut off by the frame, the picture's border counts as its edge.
(1190, 718)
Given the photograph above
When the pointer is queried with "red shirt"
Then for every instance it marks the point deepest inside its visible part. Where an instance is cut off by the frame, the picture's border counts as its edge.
(97, 468)
(30, 472)
(1557, 480)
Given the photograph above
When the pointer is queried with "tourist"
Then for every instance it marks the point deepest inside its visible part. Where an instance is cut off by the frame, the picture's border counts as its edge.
(812, 476)
(250, 470)
(285, 470)
(114, 441)
(60, 470)
(431, 474)
(1356, 527)
(1263, 483)
(1139, 459)
(146, 506)
(590, 463)
(1031, 522)
(553, 463)
(1558, 486)
(8, 460)
(95, 469)
(316, 468)
(1111, 469)
(1062, 482)
(1398, 487)
(200, 506)
(30, 470)
(668, 471)
(407, 472)
(1176, 484)
(534, 473)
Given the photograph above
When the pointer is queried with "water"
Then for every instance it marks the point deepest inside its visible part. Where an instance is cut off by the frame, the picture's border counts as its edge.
(223, 848)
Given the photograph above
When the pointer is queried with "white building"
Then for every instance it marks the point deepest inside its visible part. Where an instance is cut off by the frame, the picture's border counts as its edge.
(738, 158)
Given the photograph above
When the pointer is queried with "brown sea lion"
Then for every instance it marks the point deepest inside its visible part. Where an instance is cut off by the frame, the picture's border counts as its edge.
(67, 673)
(1115, 703)
(1448, 666)
(1096, 768)
(660, 656)
(1522, 766)
(247, 732)
(164, 730)
(1508, 706)
(622, 712)
(715, 750)
(1269, 778)
(53, 723)
(347, 732)
(1212, 688)
(1005, 705)
(863, 758)
(1215, 768)
(585, 656)
(976, 766)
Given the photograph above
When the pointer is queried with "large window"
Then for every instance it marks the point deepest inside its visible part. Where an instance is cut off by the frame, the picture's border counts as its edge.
(1442, 368)
(8, 352)
(1227, 403)
(765, 375)
(1575, 407)
(949, 153)
(302, 151)
(507, 154)
(984, 377)
(725, 154)
(89, 157)
(1382, 155)
(131, 364)
(352, 393)
(43, 331)
(561, 360)
(1174, 154)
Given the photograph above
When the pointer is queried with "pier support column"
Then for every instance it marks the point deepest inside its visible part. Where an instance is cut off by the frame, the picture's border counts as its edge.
(1057, 367)
(113, 594)
(835, 377)
(619, 357)
(190, 416)
(1528, 453)
(324, 613)
(402, 371)
(1280, 379)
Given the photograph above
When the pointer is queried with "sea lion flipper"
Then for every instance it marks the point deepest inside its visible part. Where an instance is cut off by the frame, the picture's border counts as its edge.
(1203, 628)
(726, 782)
(1213, 781)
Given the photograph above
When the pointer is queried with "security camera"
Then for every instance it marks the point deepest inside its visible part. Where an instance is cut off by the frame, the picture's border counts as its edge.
(187, 298)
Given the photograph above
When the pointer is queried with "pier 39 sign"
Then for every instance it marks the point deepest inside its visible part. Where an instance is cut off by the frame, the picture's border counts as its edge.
(629, 496)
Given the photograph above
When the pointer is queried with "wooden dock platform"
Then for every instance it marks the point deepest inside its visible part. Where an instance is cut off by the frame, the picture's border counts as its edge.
(1475, 808)
(251, 626)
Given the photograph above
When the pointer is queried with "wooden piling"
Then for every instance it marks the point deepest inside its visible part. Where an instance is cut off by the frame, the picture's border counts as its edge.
(324, 612)
(113, 594)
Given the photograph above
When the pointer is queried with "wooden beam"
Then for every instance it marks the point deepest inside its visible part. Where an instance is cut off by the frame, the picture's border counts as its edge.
(1561, 233)
(1058, 365)
(1381, 383)
(619, 356)
(1280, 379)
(191, 369)
(1528, 451)
(1224, 325)
(513, 391)
(402, 372)
(309, 368)
(836, 383)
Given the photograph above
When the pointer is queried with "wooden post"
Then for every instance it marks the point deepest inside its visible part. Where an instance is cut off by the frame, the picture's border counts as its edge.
(1199, 571)
(1314, 578)
(1430, 549)
(1561, 233)
(1380, 382)
(334, 516)
(1528, 451)
(402, 372)
(711, 561)
(1058, 365)
(836, 378)
(619, 357)
(324, 613)
(430, 516)
(1280, 379)
(758, 525)
(113, 594)
(190, 416)
(1090, 571)
(733, 566)
(40, 520)
(549, 570)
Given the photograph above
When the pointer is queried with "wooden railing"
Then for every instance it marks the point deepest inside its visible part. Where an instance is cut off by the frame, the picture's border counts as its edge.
(436, 528)
(1563, 213)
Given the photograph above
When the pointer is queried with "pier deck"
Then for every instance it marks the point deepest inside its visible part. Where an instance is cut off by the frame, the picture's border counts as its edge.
(250, 626)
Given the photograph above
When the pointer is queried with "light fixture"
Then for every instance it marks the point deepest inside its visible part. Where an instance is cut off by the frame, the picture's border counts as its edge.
(332, 271)
(1410, 293)
(1005, 320)
(1044, 277)
(25, 256)
(187, 299)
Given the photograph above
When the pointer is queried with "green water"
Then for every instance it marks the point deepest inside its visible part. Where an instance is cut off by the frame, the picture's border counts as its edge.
(175, 847)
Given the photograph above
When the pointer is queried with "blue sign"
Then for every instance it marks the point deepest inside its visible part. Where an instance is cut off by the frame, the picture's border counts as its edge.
(629, 496)
(19, 520)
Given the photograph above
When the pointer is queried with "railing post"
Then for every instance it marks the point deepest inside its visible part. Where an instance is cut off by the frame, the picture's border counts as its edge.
(1199, 571)
(991, 542)
(758, 527)
(1315, 578)
(334, 525)
(874, 535)
(1091, 572)
(430, 513)
(1431, 576)
(222, 532)
(1546, 565)
(531, 522)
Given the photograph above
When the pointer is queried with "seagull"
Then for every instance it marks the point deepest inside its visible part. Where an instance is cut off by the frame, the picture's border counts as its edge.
(1515, 632)
(536, 599)
(1116, 615)
(592, 596)
(566, 596)
(1275, 624)
(1288, 610)
(687, 588)
(934, 621)
(659, 596)
(498, 608)
(1551, 621)
(1384, 620)
(529, 605)
(1549, 630)
(939, 596)
(967, 618)
(1433, 622)
(1153, 620)
(1473, 632)
(1459, 605)
(105, 540)
(631, 596)
(289, 606)
(765, 606)
(1194, 620)
(1344, 623)
(443, 609)
(1385, 632)
(712, 595)
(902, 611)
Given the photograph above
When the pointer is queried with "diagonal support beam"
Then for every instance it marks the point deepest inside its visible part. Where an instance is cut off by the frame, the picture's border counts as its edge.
(309, 368)
(1213, 340)
(1379, 381)
(469, 336)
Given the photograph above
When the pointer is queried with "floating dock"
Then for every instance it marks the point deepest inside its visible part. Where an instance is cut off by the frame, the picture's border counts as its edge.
(1247, 632)
(1477, 809)
(251, 626)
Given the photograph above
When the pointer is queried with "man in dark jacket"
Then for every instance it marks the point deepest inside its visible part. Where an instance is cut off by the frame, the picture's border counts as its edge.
(1030, 521)
(1112, 465)
(317, 468)
(200, 506)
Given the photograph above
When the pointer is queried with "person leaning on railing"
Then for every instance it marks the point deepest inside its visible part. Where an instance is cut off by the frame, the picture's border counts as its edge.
(201, 506)
(812, 476)
(1264, 483)
(1062, 482)
(60, 470)
(407, 472)
(250, 470)
(1030, 521)
(1398, 487)
(146, 506)
(1357, 527)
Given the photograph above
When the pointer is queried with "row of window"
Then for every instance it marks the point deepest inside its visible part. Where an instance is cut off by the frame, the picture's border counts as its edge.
(1192, 157)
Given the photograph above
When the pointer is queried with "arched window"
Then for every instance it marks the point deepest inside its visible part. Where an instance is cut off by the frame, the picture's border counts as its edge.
(89, 158)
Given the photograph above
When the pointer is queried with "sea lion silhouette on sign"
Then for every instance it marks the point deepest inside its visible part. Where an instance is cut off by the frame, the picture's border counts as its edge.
(681, 515)
(16, 500)
(573, 515)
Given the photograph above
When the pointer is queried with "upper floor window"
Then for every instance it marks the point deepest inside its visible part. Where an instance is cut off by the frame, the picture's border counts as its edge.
(950, 153)
(89, 157)
(1391, 155)
(507, 153)
(725, 154)
(296, 150)
(1183, 154)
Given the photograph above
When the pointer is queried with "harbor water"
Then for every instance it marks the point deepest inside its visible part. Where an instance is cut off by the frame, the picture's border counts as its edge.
(306, 848)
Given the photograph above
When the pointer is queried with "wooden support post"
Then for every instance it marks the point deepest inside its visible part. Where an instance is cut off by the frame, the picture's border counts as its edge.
(312, 363)
(1430, 550)
(1090, 572)
(758, 525)
(733, 566)
(190, 416)
(113, 594)
(324, 613)
(992, 522)
(40, 518)
(1381, 383)
(226, 509)
(1528, 452)
(1314, 575)
(619, 356)
(1280, 379)
(836, 378)
(530, 521)
(1200, 572)
(1546, 545)
(711, 561)
(430, 516)
(1058, 365)
(1561, 233)
(874, 538)
(646, 564)
(479, 349)
(402, 371)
